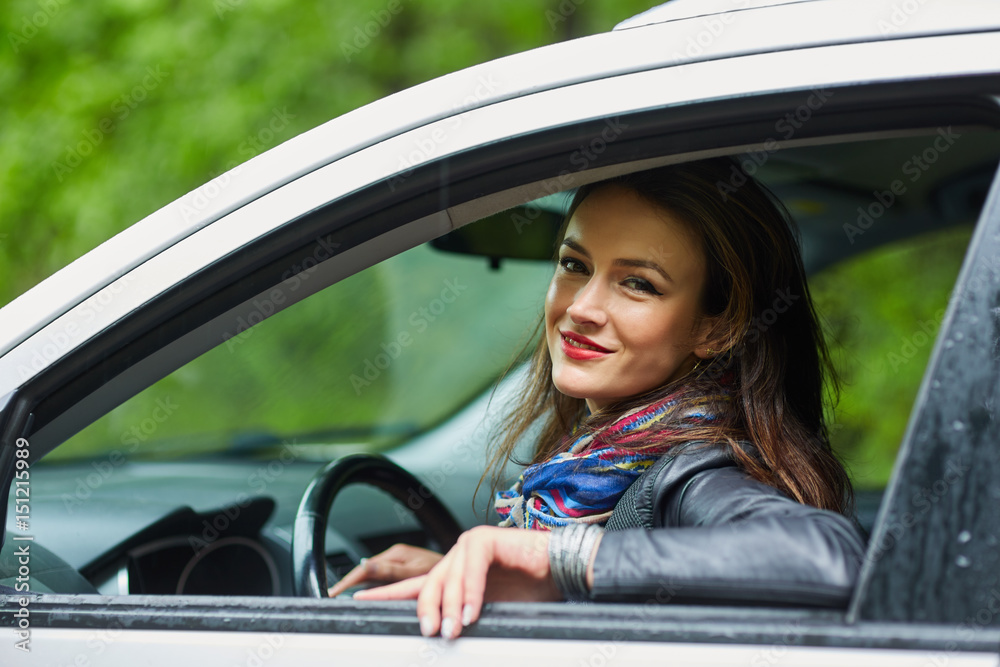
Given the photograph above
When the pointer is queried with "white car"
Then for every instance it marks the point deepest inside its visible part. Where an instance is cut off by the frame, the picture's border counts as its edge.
(167, 399)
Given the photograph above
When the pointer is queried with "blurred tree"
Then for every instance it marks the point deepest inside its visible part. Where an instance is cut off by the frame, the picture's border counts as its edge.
(114, 108)
(881, 340)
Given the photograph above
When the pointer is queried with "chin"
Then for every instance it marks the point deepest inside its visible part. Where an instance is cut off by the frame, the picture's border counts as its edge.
(572, 389)
(569, 391)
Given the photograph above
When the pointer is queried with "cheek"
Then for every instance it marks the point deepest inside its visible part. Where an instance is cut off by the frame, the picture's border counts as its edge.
(553, 306)
(657, 332)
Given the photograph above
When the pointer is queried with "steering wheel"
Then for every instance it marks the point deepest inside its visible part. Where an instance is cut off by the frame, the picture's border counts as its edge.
(309, 532)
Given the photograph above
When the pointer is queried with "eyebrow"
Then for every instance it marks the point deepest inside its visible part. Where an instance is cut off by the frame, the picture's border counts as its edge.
(639, 263)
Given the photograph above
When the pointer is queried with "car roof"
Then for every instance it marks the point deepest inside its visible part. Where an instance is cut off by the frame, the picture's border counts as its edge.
(677, 10)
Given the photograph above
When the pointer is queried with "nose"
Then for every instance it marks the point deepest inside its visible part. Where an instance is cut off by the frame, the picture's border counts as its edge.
(589, 304)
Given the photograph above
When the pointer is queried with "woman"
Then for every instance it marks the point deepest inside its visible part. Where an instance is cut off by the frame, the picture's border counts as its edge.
(680, 349)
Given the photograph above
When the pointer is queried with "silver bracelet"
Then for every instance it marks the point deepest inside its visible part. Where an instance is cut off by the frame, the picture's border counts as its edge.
(570, 549)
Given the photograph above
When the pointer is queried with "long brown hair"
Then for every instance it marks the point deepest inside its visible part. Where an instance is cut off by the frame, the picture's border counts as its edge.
(773, 355)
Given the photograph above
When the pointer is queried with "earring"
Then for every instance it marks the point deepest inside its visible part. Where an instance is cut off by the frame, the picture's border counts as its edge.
(709, 350)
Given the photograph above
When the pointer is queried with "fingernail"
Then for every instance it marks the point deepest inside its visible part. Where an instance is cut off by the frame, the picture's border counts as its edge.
(467, 612)
(426, 627)
(448, 628)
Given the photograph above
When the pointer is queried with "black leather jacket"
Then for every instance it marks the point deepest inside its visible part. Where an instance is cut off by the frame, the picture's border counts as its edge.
(695, 528)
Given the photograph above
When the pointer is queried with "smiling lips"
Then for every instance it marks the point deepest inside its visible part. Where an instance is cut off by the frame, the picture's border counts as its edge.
(580, 347)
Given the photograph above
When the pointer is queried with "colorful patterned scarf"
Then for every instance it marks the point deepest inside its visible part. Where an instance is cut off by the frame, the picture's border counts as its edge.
(584, 483)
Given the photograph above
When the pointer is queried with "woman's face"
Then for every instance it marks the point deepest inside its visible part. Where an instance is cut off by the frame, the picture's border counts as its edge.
(622, 314)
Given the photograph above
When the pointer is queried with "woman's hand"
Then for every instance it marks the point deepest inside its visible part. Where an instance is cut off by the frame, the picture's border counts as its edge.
(487, 563)
(398, 562)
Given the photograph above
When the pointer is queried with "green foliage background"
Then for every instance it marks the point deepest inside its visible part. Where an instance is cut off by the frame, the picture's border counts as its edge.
(881, 312)
(75, 78)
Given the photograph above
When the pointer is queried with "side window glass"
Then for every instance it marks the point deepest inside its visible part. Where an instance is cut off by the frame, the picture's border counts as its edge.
(885, 225)
(881, 312)
(365, 364)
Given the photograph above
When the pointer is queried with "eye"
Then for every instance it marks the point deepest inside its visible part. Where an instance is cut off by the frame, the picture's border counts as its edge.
(572, 265)
(640, 285)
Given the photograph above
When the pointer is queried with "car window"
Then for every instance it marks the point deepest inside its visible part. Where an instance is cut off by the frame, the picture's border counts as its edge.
(881, 311)
(365, 364)
(371, 362)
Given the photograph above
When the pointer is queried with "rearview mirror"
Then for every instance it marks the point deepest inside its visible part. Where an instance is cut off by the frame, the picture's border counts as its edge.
(523, 232)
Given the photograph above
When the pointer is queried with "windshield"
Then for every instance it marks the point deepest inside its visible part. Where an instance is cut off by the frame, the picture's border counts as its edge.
(365, 364)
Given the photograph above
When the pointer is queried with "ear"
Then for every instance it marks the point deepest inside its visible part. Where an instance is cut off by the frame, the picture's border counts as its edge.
(709, 339)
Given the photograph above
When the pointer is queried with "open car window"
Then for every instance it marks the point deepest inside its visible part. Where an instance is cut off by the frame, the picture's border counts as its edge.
(367, 364)
(371, 362)
(387, 359)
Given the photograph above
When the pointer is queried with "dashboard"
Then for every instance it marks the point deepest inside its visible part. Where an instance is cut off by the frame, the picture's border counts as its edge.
(220, 552)
(196, 528)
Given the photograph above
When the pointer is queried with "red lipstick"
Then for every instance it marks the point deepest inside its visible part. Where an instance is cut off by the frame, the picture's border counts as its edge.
(580, 347)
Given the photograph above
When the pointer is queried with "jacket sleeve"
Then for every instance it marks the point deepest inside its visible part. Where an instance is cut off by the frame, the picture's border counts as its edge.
(717, 535)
